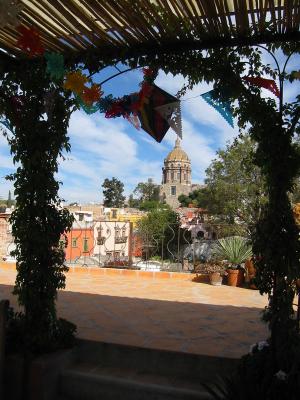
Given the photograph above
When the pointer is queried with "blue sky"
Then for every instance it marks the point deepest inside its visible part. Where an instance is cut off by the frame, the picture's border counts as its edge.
(103, 148)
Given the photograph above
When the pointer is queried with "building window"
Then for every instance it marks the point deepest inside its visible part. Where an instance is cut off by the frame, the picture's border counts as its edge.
(185, 177)
(117, 232)
(80, 218)
(178, 175)
(172, 176)
(114, 214)
(74, 243)
(173, 190)
(85, 245)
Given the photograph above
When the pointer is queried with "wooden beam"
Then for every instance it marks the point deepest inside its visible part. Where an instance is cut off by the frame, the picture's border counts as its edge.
(180, 46)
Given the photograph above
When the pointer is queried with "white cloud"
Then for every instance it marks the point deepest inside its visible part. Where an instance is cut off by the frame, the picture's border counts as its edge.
(73, 166)
(170, 83)
(6, 162)
(103, 149)
(84, 195)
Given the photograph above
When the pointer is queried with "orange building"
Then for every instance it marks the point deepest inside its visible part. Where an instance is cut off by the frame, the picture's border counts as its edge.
(81, 242)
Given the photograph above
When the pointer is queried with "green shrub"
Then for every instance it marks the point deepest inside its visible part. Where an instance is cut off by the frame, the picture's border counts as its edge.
(262, 375)
(61, 336)
(234, 249)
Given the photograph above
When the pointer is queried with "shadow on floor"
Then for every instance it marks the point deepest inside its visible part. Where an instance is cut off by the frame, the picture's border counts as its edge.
(217, 330)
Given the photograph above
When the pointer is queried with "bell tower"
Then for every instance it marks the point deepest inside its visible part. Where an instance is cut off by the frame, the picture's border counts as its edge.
(176, 175)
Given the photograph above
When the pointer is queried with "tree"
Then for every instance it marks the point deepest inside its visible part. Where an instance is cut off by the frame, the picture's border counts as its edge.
(147, 191)
(149, 205)
(157, 229)
(147, 194)
(272, 124)
(132, 202)
(235, 187)
(113, 193)
(235, 191)
(38, 222)
(197, 198)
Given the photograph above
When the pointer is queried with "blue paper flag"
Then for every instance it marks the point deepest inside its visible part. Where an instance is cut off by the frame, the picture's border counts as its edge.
(222, 107)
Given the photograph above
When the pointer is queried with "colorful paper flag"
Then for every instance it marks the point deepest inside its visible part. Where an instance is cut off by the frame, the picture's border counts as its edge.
(151, 120)
(171, 112)
(222, 107)
(268, 84)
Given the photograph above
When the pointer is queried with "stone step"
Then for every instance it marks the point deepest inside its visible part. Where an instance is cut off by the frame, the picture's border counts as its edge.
(94, 382)
(154, 361)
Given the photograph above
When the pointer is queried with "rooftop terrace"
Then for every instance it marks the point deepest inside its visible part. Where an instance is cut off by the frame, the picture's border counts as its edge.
(157, 310)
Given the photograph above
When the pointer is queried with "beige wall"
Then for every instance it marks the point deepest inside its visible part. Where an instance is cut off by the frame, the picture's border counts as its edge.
(96, 209)
(165, 193)
(6, 239)
(109, 232)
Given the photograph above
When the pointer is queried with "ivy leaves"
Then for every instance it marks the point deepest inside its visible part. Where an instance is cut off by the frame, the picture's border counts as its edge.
(38, 222)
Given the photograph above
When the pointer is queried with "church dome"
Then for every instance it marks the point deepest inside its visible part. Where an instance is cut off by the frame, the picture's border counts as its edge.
(177, 154)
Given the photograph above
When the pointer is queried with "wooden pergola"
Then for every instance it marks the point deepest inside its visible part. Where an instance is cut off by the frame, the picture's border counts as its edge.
(92, 34)
(114, 27)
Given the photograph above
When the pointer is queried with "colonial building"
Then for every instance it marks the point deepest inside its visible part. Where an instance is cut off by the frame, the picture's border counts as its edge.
(7, 244)
(113, 241)
(176, 176)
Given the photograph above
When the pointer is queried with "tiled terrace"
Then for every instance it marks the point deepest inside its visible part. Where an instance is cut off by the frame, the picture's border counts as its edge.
(162, 310)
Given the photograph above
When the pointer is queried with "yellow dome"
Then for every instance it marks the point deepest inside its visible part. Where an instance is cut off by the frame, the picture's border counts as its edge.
(177, 154)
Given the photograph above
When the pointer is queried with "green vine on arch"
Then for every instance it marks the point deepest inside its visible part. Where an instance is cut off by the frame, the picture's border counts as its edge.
(276, 237)
(275, 240)
(39, 113)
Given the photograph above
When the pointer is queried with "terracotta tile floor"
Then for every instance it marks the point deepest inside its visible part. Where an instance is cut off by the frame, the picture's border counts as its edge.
(174, 314)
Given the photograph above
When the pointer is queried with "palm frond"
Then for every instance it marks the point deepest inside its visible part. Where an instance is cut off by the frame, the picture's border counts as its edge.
(235, 249)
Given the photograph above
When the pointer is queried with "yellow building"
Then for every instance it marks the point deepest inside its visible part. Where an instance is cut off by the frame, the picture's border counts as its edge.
(124, 215)
(134, 218)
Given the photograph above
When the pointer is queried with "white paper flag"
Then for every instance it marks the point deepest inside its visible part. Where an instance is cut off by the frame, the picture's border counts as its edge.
(171, 112)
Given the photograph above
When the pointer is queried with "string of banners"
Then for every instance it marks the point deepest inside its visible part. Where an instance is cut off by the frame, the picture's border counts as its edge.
(151, 108)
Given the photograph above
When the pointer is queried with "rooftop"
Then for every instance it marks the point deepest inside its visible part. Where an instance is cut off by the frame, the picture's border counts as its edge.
(159, 310)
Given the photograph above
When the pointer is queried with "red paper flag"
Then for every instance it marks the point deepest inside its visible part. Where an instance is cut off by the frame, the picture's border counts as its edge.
(268, 84)
(30, 41)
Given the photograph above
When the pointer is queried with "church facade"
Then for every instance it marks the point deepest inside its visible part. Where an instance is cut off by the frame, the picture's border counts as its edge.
(176, 176)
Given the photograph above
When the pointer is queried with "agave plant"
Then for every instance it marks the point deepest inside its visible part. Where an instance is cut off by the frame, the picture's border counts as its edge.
(234, 249)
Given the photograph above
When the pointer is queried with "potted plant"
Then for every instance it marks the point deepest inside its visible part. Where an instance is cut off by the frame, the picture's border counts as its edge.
(215, 271)
(235, 250)
(251, 272)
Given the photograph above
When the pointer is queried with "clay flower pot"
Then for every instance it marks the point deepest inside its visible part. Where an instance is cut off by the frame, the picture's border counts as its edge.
(235, 277)
(251, 271)
(215, 279)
